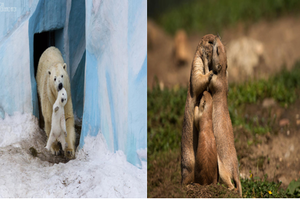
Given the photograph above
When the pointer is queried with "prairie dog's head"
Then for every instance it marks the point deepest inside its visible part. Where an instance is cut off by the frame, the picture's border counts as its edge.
(205, 103)
(219, 59)
(203, 112)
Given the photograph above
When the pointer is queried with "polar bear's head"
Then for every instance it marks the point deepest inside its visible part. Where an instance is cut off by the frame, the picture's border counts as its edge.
(57, 74)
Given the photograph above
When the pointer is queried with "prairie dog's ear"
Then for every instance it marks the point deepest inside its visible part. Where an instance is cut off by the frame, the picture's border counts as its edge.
(56, 109)
(65, 66)
(49, 72)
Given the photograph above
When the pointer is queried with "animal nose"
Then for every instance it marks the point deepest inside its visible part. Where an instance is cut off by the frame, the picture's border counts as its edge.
(60, 86)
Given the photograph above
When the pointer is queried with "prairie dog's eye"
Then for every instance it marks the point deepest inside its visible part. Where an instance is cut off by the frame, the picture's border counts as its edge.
(54, 78)
(62, 76)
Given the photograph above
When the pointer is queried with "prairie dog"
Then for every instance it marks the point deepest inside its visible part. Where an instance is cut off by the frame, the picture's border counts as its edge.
(199, 80)
(206, 168)
(222, 126)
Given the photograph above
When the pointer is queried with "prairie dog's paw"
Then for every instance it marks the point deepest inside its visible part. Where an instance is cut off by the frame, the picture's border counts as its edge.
(65, 133)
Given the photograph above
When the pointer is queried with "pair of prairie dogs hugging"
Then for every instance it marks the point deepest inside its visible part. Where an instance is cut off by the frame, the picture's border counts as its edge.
(207, 147)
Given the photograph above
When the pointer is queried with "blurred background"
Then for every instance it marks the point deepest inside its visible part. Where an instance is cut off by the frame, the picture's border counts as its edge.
(263, 49)
(260, 36)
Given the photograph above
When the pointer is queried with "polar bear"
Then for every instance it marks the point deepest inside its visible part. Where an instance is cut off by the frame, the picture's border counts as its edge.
(58, 126)
(52, 77)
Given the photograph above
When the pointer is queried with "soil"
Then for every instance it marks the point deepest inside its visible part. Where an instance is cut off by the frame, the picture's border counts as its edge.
(275, 153)
(46, 155)
(279, 37)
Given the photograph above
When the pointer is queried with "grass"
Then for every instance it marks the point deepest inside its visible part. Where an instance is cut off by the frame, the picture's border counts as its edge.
(166, 110)
(166, 107)
(261, 188)
(281, 87)
(214, 15)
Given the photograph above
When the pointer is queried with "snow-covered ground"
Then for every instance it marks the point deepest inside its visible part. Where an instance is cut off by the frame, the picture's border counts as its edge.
(96, 172)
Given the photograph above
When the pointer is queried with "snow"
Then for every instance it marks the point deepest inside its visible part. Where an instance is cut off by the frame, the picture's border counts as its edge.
(96, 172)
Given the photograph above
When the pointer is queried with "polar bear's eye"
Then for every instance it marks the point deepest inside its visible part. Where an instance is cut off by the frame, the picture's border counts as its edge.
(54, 78)
(62, 76)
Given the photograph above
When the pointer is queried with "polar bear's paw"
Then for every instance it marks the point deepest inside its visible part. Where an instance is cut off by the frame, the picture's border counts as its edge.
(69, 153)
(55, 149)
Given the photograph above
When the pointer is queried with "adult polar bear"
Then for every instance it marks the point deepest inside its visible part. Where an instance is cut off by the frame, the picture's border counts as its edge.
(52, 77)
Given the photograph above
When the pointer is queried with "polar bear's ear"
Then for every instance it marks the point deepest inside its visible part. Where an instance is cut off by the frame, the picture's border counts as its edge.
(49, 72)
(56, 109)
(65, 66)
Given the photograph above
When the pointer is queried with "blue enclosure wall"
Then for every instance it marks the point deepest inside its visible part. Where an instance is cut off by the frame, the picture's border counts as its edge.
(104, 45)
(116, 75)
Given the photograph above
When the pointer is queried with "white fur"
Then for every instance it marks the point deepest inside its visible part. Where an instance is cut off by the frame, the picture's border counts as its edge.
(58, 126)
(51, 72)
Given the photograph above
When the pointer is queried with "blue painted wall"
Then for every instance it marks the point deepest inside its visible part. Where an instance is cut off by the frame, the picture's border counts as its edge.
(116, 66)
(104, 45)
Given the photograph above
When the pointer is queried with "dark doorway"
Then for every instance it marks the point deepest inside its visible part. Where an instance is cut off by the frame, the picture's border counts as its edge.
(41, 42)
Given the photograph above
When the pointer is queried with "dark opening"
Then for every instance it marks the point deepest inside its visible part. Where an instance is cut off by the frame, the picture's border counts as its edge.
(41, 41)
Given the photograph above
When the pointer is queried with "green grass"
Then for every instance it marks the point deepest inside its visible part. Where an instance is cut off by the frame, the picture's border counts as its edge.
(166, 107)
(214, 15)
(281, 87)
(166, 110)
(261, 188)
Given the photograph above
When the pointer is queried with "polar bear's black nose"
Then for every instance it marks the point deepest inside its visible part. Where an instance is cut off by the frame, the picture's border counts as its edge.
(60, 86)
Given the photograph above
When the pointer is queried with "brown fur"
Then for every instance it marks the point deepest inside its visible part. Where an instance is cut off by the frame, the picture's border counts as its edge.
(199, 81)
(206, 167)
(222, 126)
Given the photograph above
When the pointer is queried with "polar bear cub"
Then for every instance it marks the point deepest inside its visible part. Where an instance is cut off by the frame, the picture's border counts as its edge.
(58, 126)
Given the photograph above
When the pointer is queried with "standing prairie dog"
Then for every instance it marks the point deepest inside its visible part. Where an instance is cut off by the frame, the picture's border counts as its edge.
(206, 167)
(222, 126)
(199, 80)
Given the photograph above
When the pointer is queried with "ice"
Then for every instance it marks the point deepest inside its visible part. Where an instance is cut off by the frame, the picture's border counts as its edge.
(96, 172)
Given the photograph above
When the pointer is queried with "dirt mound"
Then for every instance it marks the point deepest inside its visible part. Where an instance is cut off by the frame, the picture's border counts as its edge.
(276, 153)
(279, 39)
(245, 56)
(164, 181)
(162, 62)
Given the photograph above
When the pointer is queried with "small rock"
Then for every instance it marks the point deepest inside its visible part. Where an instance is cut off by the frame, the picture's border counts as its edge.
(244, 54)
(288, 132)
(287, 154)
(283, 180)
(268, 102)
(298, 122)
(284, 122)
(244, 176)
(161, 86)
(292, 148)
(280, 159)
